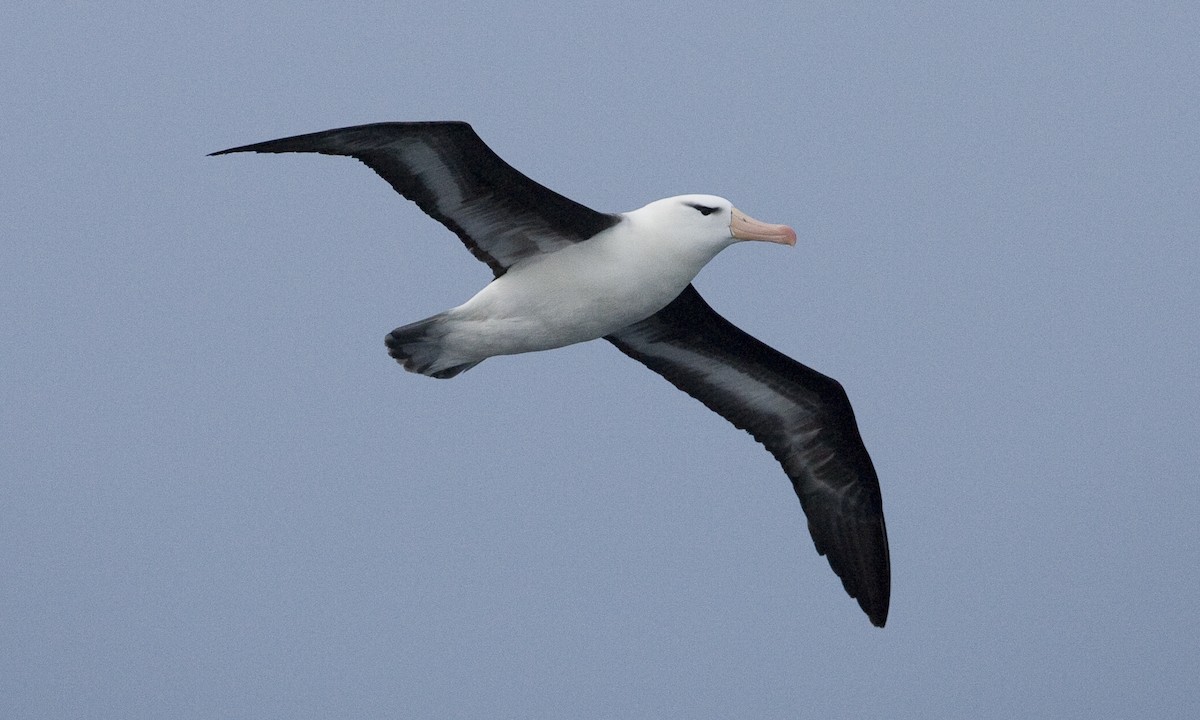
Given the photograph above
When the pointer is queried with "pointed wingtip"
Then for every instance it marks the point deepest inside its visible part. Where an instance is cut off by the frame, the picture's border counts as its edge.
(875, 598)
(874, 606)
(879, 617)
(295, 143)
(860, 558)
(240, 148)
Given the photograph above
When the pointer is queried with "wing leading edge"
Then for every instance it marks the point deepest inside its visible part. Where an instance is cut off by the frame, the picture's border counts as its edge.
(500, 214)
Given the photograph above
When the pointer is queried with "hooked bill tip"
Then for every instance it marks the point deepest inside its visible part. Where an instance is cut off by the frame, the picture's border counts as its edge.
(744, 227)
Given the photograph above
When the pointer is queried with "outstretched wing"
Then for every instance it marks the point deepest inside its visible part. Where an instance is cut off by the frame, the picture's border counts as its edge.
(449, 172)
(803, 417)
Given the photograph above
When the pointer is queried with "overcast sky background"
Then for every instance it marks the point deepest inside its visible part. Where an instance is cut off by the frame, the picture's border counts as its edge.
(219, 497)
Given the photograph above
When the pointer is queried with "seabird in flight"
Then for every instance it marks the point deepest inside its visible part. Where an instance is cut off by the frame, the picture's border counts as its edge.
(565, 273)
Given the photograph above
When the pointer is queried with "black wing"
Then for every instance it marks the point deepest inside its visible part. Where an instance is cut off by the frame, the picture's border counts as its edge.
(801, 416)
(500, 215)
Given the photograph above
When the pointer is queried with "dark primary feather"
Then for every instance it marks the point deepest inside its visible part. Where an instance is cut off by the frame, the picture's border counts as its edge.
(450, 173)
(802, 417)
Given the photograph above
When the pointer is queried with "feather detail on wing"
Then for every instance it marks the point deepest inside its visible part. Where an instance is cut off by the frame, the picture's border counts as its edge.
(500, 214)
(802, 417)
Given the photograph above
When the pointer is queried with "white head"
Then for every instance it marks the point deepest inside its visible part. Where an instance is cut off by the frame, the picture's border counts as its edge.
(711, 221)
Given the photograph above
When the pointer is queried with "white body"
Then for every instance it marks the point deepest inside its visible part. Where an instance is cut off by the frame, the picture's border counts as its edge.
(593, 288)
(579, 293)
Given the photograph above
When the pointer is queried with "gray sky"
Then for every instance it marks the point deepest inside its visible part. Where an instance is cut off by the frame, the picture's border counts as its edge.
(221, 498)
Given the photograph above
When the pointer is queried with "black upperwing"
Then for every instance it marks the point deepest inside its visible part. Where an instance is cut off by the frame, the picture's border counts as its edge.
(449, 172)
(802, 417)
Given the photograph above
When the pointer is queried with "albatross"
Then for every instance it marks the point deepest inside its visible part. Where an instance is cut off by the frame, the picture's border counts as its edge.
(565, 274)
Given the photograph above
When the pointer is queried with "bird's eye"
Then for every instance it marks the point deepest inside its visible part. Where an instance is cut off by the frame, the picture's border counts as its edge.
(704, 209)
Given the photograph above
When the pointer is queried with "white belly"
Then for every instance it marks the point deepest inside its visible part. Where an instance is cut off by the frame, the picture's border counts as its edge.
(579, 293)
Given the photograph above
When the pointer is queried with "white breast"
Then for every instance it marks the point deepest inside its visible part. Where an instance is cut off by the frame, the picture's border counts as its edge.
(578, 293)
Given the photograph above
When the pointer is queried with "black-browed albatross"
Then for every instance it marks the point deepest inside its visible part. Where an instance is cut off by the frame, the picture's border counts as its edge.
(565, 273)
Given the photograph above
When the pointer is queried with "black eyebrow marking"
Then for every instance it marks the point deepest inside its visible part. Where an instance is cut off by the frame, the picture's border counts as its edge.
(704, 209)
